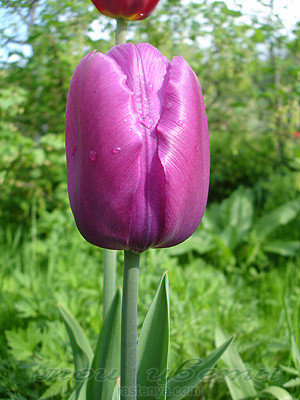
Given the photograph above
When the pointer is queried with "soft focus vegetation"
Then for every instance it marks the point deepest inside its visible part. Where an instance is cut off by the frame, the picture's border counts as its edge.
(241, 268)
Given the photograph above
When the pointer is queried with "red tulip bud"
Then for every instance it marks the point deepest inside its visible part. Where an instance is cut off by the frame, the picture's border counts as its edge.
(127, 9)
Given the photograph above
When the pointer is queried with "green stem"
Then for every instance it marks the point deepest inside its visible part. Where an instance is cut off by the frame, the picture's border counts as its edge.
(121, 31)
(109, 279)
(129, 326)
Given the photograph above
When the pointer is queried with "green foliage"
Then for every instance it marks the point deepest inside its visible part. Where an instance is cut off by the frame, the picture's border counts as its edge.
(240, 269)
(17, 383)
(230, 236)
(82, 353)
(23, 343)
(153, 345)
(105, 368)
(190, 377)
(240, 388)
(250, 90)
(293, 372)
(32, 175)
(201, 295)
(240, 384)
(153, 351)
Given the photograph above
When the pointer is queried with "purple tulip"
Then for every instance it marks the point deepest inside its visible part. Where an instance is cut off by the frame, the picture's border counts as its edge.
(137, 149)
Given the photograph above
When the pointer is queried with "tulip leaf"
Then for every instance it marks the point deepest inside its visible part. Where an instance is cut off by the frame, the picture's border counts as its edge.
(82, 352)
(187, 379)
(240, 385)
(79, 393)
(277, 393)
(106, 364)
(153, 346)
(116, 393)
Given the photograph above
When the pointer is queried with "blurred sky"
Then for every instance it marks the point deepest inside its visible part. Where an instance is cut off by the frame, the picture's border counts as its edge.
(288, 11)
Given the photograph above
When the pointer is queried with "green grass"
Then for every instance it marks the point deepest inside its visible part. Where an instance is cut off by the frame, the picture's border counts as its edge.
(262, 308)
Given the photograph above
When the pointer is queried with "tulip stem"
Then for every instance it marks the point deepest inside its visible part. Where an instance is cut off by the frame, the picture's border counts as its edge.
(109, 278)
(129, 326)
(121, 31)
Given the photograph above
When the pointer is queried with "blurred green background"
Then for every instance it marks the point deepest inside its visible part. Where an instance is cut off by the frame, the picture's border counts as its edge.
(241, 268)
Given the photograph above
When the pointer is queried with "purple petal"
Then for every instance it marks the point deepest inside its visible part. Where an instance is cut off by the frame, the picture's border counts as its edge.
(146, 71)
(184, 154)
(103, 173)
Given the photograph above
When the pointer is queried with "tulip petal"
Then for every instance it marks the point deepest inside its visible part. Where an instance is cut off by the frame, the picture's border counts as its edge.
(184, 153)
(146, 71)
(147, 9)
(137, 149)
(103, 170)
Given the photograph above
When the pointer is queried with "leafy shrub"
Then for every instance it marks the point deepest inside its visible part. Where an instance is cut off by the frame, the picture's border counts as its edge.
(231, 236)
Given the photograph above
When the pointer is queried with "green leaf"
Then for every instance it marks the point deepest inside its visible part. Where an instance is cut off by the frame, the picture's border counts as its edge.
(80, 392)
(187, 379)
(259, 36)
(282, 247)
(82, 352)
(295, 353)
(116, 395)
(201, 242)
(23, 343)
(290, 370)
(292, 383)
(239, 212)
(281, 216)
(239, 387)
(278, 393)
(153, 345)
(53, 390)
(233, 13)
(106, 364)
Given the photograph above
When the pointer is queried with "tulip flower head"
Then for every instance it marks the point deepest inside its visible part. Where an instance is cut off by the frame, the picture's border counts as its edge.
(127, 9)
(137, 149)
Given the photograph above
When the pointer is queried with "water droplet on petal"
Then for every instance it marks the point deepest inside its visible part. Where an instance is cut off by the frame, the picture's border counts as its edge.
(147, 121)
(196, 147)
(141, 15)
(168, 105)
(116, 150)
(125, 119)
(121, 187)
(130, 130)
(150, 87)
(93, 155)
(180, 123)
(74, 148)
